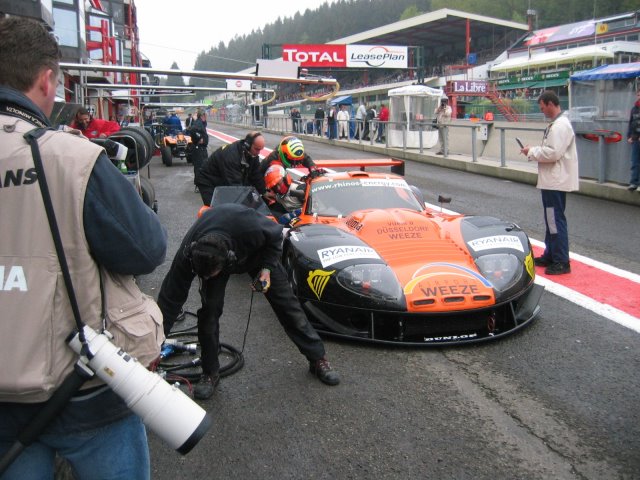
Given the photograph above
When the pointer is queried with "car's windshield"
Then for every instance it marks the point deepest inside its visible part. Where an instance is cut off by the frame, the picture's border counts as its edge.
(341, 197)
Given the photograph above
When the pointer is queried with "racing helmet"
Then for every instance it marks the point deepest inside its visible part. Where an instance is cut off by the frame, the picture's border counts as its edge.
(277, 179)
(290, 151)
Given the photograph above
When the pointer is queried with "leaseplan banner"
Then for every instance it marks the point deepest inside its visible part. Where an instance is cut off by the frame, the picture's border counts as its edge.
(345, 56)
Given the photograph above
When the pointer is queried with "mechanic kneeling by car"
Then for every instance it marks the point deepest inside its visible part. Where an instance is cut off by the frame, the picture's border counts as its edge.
(226, 240)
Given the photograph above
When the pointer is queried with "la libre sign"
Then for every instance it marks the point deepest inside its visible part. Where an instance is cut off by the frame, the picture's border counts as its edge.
(345, 56)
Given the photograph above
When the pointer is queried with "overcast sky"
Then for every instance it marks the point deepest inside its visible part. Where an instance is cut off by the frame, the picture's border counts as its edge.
(179, 30)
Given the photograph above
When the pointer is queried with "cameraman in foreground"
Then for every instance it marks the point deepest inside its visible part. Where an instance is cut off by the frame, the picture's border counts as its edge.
(108, 235)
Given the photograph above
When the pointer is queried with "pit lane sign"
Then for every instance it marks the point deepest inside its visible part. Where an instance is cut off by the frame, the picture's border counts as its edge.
(347, 56)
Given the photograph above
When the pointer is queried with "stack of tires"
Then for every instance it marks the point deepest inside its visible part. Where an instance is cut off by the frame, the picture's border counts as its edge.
(140, 145)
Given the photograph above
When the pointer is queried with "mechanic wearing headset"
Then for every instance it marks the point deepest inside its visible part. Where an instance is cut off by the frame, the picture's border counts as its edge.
(237, 163)
(225, 240)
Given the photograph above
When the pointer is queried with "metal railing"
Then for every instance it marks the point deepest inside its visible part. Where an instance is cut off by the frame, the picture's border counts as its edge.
(310, 126)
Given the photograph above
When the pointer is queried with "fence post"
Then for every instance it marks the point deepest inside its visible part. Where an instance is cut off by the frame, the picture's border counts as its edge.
(503, 145)
(602, 161)
(474, 147)
(404, 137)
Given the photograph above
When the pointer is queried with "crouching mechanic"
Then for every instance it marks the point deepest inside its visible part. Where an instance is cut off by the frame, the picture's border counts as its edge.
(226, 240)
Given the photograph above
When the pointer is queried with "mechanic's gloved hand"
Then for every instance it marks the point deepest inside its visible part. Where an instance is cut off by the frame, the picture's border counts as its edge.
(315, 172)
(287, 218)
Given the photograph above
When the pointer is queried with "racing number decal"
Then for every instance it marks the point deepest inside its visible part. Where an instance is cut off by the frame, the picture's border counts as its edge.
(318, 280)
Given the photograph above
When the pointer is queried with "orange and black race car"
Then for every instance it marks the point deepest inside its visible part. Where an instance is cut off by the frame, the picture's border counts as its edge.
(369, 261)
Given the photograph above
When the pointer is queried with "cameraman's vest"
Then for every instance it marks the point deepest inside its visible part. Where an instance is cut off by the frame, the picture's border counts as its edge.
(36, 316)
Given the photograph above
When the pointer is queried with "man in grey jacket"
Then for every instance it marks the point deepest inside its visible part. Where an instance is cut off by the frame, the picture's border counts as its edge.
(557, 159)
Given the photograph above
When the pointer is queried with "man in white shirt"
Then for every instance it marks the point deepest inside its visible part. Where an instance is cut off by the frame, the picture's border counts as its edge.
(343, 122)
(557, 159)
(443, 116)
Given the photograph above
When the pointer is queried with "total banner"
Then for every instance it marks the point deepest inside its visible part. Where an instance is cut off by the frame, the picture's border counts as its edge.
(347, 56)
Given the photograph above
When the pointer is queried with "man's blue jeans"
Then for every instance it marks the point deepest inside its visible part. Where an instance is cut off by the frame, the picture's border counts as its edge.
(556, 238)
(635, 163)
(117, 451)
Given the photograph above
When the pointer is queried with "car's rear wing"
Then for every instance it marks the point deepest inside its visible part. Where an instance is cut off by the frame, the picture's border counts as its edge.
(397, 166)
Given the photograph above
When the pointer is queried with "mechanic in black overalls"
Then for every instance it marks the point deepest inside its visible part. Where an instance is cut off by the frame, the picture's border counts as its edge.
(235, 164)
(200, 140)
(225, 240)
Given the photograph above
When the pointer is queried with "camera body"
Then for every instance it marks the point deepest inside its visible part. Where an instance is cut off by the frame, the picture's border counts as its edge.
(164, 408)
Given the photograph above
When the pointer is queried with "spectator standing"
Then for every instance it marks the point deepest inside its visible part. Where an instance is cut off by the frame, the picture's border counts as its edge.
(231, 239)
(443, 117)
(332, 123)
(93, 127)
(361, 113)
(108, 234)
(383, 118)
(319, 119)
(368, 122)
(633, 137)
(188, 121)
(343, 122)
(237, 163)
(557, 159)
(296, 120)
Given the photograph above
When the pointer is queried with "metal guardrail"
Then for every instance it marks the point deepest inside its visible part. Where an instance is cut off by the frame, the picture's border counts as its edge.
(309, 126)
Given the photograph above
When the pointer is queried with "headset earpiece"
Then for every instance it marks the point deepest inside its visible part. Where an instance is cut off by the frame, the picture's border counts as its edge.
(247, 143)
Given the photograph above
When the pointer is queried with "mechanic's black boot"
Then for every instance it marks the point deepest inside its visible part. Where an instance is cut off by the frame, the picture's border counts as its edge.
(206, 386)
(322, 369)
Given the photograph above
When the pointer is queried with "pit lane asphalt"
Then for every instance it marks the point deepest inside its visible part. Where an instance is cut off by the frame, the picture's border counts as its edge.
(557, 401)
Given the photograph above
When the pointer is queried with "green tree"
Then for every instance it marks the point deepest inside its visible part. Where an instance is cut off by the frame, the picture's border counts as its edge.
(410, 12)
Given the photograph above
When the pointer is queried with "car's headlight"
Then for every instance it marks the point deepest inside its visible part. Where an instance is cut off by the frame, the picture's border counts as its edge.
(503, 270)
(371, 280)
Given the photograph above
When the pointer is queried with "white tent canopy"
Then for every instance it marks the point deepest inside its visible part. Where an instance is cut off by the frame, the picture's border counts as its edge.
(411, 109)
(417, 90)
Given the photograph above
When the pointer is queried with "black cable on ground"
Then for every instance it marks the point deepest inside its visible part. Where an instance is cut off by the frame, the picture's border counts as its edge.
(191, 370)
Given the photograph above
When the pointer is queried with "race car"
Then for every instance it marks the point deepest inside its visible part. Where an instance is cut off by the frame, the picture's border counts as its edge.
(370, 261)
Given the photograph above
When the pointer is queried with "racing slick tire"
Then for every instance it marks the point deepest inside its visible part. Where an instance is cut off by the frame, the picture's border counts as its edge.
(148, 193)
(167, 157)
(144, 133)
(138, 154)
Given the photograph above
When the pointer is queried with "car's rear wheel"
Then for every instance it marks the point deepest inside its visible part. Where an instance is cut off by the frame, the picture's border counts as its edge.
(167, 157)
